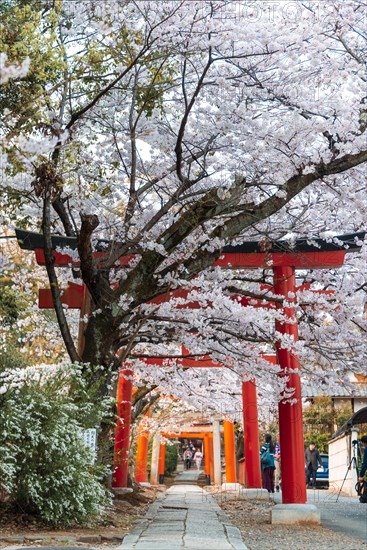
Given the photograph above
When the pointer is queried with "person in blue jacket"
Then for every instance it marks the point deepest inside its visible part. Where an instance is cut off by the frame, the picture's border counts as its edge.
(364, 463)
(267, 463)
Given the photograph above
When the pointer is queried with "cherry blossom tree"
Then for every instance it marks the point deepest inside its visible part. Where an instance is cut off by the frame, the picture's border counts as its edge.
(167, 130)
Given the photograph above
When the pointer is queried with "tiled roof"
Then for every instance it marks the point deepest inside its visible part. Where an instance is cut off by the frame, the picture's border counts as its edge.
(359, 390)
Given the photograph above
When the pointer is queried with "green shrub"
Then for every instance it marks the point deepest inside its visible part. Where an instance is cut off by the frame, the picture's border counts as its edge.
(171, 458)
(45, 466)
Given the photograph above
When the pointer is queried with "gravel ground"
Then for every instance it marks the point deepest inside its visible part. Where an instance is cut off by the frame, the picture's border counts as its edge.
(253, 520)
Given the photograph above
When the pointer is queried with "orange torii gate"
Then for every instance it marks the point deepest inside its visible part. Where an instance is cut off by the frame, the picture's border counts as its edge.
(250, 430)
(211, 454)
(122, 436)
(207, 438)
(283, 259)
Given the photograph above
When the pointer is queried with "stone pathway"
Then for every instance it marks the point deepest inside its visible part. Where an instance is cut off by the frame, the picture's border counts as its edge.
(187, 518)
(188, 476)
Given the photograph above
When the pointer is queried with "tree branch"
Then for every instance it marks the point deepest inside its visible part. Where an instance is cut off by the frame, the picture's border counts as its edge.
(181, 131)
(98, 287)
(51, 272)
(292, 187)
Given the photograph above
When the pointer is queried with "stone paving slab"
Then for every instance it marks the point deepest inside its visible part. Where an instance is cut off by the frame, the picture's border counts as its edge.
(184, 518)
(188, 475)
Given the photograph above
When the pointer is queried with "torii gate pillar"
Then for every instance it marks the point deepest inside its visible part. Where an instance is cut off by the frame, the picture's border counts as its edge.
(290, 414)
(207, 452)
(122, 431)
(162, 461)
(251, 436)
(211, 457)
(142, 452)
(229, 452)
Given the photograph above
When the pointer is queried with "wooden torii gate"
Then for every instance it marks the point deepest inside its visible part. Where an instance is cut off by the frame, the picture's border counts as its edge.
(283, 259)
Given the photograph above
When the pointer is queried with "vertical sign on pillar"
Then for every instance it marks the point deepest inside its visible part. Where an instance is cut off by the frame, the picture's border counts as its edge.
(122, 431)
(229, 452)
(251, 436)
(290, 414)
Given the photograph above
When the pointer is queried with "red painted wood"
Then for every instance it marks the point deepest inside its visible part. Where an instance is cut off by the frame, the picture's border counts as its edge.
(187, 362)
(122, 429)
(251, 435)
(65, 260)
(61, 260)
(290, 414)
(162, 459)
(304, 260)
(207, 455)
(72, 296)
(241, 471)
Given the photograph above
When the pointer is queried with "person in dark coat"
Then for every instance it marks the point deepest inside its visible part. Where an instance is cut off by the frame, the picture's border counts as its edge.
(187, 456)
(364, 463)
(312, 460)
(268, 467)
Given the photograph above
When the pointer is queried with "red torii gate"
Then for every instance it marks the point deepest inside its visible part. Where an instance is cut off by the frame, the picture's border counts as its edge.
(73, 296)
(283, 259)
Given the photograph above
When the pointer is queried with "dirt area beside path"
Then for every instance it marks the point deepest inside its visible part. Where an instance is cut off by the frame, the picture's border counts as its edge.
(118, 521)
(253, 520)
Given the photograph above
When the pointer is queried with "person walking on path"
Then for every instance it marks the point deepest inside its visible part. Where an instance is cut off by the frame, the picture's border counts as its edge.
(364, 463)
(198, 457)
(267, 464)
(312, 460)
(187, 456)
(361, 477)
(277, 472)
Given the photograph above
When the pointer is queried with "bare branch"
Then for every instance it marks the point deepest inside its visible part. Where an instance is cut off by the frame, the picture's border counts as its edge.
(51, 272)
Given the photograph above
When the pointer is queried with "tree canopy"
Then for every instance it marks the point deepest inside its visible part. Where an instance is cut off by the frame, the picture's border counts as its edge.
(171, 129)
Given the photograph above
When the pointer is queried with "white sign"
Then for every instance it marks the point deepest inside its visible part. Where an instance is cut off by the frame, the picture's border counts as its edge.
(90, 438)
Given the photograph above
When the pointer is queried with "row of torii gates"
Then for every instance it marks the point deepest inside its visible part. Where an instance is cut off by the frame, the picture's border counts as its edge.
(211, 437)
(283, 259)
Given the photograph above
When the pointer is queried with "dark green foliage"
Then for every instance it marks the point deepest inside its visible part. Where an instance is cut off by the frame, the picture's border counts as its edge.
(171, 459)
(8, 305)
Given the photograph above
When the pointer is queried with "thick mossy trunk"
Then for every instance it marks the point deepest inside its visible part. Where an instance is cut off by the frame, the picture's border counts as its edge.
(97, 353)
(99, 337)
